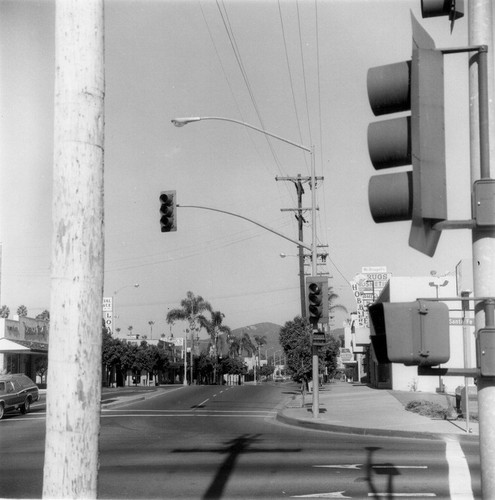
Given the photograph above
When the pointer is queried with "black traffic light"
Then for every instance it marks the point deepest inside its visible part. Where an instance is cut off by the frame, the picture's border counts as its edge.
(317, 299)
(419, 194)
(412, 333)
(435, 8)
(168, 211)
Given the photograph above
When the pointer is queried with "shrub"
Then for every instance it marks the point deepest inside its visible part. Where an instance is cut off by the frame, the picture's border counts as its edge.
(427, 409)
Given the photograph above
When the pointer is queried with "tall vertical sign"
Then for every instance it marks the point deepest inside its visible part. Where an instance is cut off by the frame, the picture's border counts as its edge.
(108, 312)
(366, 287)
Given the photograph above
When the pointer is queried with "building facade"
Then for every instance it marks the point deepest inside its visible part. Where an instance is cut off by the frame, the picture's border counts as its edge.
(24, 347)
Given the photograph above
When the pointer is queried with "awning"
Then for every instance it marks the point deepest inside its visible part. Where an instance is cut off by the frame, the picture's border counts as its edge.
(9, 346)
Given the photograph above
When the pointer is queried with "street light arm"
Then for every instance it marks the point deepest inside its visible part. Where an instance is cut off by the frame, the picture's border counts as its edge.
(274, 231)
(180, 122)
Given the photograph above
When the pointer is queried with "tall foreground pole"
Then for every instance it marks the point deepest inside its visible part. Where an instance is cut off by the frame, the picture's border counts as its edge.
(481, 33)
(74, 358)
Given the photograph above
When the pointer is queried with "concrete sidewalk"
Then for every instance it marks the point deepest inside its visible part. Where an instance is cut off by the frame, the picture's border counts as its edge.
(359, 409)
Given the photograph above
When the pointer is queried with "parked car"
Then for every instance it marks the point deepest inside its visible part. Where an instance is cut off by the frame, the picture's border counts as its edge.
(17, 392)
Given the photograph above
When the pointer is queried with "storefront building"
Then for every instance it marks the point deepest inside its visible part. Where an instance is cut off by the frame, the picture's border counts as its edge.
(24, 347)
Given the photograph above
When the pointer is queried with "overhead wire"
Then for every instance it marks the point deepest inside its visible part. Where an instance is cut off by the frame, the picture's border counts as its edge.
(291, 79)
(230, 33)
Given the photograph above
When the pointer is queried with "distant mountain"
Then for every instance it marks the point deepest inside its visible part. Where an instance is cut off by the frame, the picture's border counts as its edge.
(270, 331)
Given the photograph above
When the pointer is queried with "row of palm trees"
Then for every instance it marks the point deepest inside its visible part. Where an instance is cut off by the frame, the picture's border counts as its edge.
(199, 314)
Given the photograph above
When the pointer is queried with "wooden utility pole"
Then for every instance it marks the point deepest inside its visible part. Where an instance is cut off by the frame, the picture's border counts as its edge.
(74, 357)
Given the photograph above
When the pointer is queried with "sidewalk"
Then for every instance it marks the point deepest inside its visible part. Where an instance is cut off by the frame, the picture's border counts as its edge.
(359, 409)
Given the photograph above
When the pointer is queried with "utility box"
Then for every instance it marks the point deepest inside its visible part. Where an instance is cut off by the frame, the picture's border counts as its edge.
(484, 203)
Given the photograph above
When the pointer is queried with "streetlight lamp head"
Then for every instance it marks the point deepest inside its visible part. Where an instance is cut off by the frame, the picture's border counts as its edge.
(180, 122)
(283, 255)
(136, 285)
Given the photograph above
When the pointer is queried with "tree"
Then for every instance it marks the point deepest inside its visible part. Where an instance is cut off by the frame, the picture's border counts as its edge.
(22, 311)
(41, 367)
(4, 312)
(295, 339)
(214, 328)
(259, 340)
(330, 353)
(44, 315)
(191, 308)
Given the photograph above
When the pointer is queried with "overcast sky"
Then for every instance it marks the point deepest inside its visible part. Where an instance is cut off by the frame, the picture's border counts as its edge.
(294, 68)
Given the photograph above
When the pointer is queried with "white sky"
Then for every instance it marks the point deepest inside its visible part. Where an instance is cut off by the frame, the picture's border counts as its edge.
(167, 59)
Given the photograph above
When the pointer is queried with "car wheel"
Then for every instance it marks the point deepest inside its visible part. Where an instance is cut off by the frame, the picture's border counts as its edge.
(1, 411)
(26, 406)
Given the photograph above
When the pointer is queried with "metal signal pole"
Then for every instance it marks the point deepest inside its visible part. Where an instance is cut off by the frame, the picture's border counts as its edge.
(483, 241)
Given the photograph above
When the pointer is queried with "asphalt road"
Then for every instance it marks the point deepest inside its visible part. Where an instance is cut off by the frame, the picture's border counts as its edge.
(224, 442)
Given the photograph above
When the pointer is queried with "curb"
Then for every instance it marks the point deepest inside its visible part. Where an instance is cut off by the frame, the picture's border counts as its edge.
(320, 425)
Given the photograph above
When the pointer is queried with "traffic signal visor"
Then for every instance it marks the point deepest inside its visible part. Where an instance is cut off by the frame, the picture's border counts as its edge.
(412, 333)
(418, 193)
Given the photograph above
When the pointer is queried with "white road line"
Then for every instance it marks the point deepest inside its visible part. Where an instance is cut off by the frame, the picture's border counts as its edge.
(201, 404)
(459, 475)
(194, 415)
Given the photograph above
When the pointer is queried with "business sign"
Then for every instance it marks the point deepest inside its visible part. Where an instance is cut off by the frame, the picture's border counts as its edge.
(107, 318)
(346, 355)
(366, 287)
(108, 312)
(107, 304)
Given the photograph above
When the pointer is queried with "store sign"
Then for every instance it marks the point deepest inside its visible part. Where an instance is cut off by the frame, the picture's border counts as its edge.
(108, 312)
(366, 288)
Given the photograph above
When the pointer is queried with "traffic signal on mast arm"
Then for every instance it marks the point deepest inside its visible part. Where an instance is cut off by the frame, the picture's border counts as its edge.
(168, 211)
(419, 194)
(412, 333)
(317, 300)
(435, 8)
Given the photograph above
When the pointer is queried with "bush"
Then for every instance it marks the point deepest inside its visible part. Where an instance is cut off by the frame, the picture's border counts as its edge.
(427, 409)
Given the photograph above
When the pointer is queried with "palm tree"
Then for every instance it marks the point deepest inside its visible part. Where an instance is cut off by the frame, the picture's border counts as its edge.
(22, 311)
(191, 308)
(332, 307)
(259, 340)
(214, 327)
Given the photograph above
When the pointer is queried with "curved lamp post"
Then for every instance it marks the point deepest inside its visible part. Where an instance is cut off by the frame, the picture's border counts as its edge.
(180, 122)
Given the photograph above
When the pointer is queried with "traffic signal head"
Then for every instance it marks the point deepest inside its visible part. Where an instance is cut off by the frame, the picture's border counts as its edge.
(168, 211)
(435, 8)
(419, 194)
(412, 333)
(317, 299)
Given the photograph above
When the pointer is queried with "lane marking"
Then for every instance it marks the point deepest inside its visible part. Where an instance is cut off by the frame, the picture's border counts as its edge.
(402, 495)
(358, 466)
(459, 475)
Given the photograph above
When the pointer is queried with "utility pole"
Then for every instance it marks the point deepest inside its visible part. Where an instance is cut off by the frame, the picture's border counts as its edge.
(74, 357)
(480, 17)
(298, 183)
